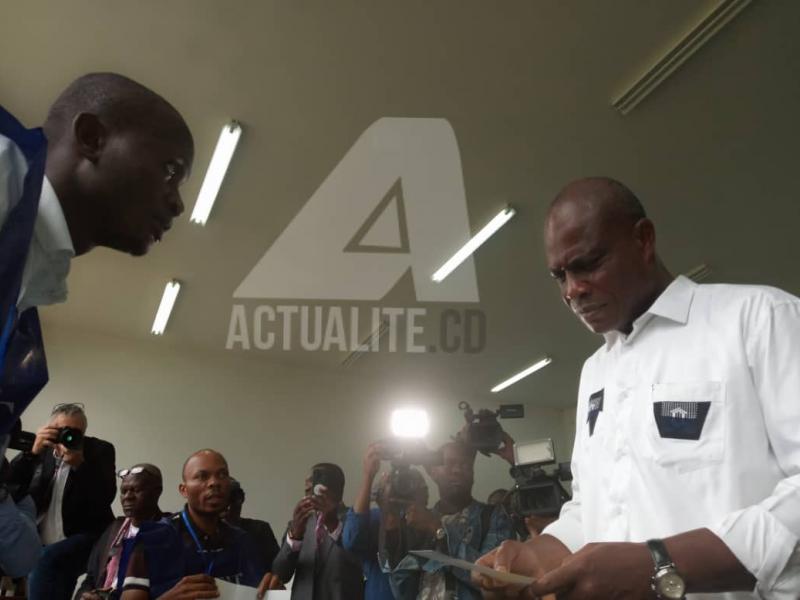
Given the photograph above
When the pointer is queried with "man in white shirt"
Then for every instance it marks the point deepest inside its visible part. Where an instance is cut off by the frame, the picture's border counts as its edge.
(687, 448)
(104, 171)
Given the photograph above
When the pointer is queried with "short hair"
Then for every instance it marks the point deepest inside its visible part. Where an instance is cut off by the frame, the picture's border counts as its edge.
(150, 470)
(193, 454)
(71, 409)
(608, 194)
(334, 475)
(459, 445)
(119, 101)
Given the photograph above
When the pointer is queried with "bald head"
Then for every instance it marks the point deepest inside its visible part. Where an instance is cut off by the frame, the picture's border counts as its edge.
(121, 103)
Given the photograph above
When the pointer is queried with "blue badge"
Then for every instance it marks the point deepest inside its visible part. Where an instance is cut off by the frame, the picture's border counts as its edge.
(595, 406)
(681, 420)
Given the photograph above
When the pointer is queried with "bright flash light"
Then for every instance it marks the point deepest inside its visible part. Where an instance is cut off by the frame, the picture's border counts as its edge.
(410, 423)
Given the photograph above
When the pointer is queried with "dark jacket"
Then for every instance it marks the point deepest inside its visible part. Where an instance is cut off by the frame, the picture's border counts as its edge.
(96, 567)
(260, 535)
(89, 491)
(326, 573)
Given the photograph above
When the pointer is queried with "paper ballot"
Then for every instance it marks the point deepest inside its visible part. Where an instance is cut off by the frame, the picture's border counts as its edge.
(468, 566)
(232, 591)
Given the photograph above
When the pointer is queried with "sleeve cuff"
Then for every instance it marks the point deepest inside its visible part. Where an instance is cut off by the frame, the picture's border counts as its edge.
(294, 545)
(566, 531)
(761, 542)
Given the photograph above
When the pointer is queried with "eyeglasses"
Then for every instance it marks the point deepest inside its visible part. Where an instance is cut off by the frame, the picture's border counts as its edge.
(123, 473)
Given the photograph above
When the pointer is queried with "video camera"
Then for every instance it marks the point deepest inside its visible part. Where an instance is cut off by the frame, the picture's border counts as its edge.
(483, 432)
(403, 454)
(537, 492)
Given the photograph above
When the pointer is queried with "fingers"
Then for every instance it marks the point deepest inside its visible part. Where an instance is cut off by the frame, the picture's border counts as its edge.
(197, 586)
(487, 560)
(269, 582)
(558, 580)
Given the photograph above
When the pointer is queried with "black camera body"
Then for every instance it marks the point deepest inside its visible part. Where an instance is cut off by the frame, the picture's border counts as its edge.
(483, 432)
(403, 454)
(70, 437)
(537, 492)
(20, 440)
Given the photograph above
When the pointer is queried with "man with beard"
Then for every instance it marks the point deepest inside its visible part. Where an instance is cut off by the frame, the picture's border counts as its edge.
(181, 558)
(458, 526)
(139, 492)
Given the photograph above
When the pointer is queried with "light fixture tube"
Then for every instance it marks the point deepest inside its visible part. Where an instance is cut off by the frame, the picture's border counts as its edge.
(220, 160)
(165, 308)
(522, 374)
(474, 243)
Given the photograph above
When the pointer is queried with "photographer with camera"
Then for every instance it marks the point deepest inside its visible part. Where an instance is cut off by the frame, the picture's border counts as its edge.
(312, 550)
(72, 481)
(458, 526)
(364, 526)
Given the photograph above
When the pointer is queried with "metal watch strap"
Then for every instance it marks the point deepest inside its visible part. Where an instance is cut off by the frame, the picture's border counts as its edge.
(661, 557)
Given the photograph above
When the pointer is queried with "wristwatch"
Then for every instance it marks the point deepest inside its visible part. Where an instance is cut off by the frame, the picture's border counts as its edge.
(666, 582)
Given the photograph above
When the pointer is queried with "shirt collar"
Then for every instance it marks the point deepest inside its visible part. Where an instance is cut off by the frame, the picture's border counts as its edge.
(673, 304)
(51, 226)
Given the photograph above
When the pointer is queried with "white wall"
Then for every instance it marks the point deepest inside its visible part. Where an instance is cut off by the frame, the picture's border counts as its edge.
(158, 405)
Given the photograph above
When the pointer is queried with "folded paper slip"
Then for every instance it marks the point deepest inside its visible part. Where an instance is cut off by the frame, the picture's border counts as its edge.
(232, 591)
(512, 578)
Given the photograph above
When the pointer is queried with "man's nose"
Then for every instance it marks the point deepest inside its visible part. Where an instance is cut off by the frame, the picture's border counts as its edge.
(176, 204)
(574, 287)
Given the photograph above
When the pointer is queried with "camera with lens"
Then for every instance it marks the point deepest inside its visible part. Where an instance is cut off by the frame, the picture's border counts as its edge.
(483, 431)
(70, 437)
(23, 441)
(537, 492)
(403, 454)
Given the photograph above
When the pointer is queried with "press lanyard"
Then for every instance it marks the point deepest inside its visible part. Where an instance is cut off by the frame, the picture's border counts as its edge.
(202, 551)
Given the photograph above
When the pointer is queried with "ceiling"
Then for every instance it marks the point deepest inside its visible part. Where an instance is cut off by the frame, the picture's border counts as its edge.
(527, 88)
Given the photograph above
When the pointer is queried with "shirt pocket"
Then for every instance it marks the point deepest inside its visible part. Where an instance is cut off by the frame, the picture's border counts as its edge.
(686, 424)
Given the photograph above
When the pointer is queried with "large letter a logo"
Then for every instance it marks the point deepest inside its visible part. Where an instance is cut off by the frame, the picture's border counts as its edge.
(395, 201)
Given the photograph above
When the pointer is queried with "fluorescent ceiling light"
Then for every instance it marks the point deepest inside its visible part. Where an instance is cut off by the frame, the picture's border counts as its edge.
(410, 423)
(522, 374)
(474, 243)
(216, 171)
(165, 308)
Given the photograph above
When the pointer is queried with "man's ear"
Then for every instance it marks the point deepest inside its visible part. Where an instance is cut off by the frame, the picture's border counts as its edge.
(645, 234)
(90, 135)
(182, 490)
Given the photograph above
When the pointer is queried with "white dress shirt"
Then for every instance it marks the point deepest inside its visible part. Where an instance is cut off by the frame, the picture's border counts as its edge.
(47, 265)
(51, 522)
(724, 355)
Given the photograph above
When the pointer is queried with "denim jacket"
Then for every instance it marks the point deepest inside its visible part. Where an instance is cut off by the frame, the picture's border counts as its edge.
(464, 539)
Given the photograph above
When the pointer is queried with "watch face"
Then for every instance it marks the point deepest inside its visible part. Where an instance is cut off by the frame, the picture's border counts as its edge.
(670, 586)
